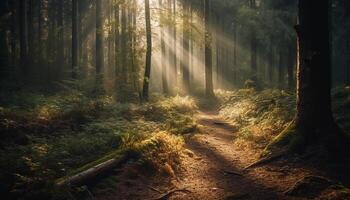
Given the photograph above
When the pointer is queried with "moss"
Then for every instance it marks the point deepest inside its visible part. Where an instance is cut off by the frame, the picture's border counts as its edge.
(290, 139)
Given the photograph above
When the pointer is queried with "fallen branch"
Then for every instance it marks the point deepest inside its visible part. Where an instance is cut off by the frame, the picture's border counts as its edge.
(154, 189)
(266, 160)
(232, 173)
(168, 194)
(91, 173)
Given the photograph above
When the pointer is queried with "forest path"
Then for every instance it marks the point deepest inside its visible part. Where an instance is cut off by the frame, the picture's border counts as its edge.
(210, 171)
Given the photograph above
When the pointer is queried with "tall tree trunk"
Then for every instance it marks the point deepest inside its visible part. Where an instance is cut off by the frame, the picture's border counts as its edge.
(186, 48)
(253, 50)
(291, 64)
(163, 59)
(99, 42)
(123, 49)
(235, 70)
(175, 70)
(313, 123)
(117, 39)
(145, 92)
(23, 37)
(13, 33)
(191, 52)
(40, 31)
(208, 51)
(280, 69)
(60, 37)
(31, 32)
(75, 50)
(348, 63)
(271, 62)
(170, 51)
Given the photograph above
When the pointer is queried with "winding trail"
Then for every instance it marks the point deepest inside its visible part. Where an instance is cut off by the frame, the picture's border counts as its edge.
(212, 170)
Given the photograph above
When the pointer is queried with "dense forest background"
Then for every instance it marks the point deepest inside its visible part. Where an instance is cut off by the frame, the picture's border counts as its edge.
(47, 42)
(88, 85)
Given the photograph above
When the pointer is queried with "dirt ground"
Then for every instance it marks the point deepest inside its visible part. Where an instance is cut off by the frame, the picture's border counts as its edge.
(212, 169)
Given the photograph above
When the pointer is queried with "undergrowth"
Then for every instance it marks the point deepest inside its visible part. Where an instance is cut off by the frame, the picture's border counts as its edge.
(45, 137)
(260, 115)
(263, 115)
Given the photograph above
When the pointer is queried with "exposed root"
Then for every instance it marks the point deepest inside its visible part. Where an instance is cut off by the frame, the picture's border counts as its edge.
(266, 160)
(232, 173)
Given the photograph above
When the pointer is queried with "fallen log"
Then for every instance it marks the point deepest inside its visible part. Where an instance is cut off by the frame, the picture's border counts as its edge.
(82, 177)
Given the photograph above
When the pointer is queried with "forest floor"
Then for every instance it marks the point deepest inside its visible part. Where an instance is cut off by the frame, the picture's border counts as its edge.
(213, 167)
(176, 148)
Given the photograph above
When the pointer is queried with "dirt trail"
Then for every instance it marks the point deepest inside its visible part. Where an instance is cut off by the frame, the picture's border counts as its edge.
(210, 170)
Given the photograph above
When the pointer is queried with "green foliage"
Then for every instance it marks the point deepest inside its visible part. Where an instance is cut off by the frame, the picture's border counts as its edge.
(46, 137)
(260, 115)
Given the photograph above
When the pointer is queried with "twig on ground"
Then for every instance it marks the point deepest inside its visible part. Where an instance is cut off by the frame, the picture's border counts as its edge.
(154, 189)
(171, 192)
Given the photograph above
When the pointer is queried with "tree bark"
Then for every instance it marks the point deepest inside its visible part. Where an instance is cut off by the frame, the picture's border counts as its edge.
(314, 123)
(145, 93)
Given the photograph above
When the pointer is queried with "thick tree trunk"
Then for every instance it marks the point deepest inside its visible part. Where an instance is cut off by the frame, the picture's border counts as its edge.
(145, 92)
(208, 51)
(75, 50)
(314, 80)
(313, 123)
(99, 42)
